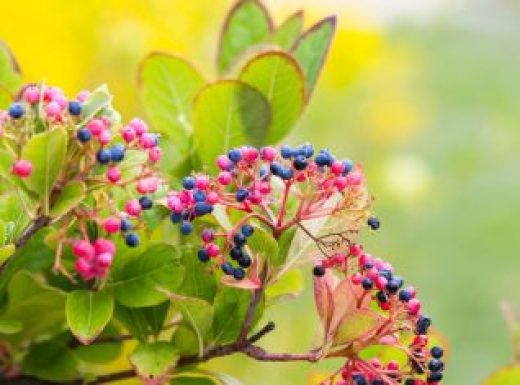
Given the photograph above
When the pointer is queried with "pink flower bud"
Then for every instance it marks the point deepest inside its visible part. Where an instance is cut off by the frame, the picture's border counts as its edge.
(224, 178)
(105, 137)
(154, 154)
(104, 259)
(133, 208)
(82, 96)
(96, 126)
(22, 168)
(83, 249)
(223, 162)
(31, 94)
(139, 126)
(102, 245)
(268, 153)
(111, 225)
(113, 174)
(128, 133)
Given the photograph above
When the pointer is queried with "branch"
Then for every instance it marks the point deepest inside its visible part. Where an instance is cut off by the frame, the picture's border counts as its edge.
(32, 229)
(260, 354)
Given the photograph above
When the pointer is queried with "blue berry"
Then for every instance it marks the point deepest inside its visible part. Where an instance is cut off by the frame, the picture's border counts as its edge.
(286, 152)
(188, 182)
(203, 255)
(378, 381)
(286, 173)
(199, 196)
(307, 150)
(264, 171)
(367, 283)
(374, 223)
(392, 286)
(300, 163)
(241, 194)
(240, 239)
(423, 323)
(103, 156)
(359, 379)
(405, 295)
(117, 153)
(132, 239)
(146, 203)
(347, 166)
(435, 377)
(235, 252)
(84, 135)
(386, 274)
(16, 110)
(186, 228)
(436, 352)
(239, 273)
(318, 271)
(234, 155)
(381, 296)
(247, 230)
(126, 225)
(244, 261)
(202, 208)
(227, 268)
(74, 108)
(322, 159)
(436, 365)
(276, 168)
(175, 217)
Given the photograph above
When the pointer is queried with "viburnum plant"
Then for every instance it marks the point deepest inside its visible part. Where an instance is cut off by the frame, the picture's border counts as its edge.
(93, 267)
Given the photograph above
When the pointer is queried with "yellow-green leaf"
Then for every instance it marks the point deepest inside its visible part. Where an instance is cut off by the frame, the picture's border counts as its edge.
(289, 31)
(154, 359)
(506, 376)
(71, 196)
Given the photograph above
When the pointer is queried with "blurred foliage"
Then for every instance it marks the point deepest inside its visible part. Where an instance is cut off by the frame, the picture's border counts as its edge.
(430, 107)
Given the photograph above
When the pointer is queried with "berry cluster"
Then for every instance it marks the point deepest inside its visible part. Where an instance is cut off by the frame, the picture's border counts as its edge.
(275, 189)
(399, 314)
(97, 148)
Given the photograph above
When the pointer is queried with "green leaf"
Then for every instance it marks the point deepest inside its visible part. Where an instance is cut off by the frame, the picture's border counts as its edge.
(71, 196)
(289, 31)
(10, 76)
(88, 313)
(229, 309)
(199, 281)
(98, 100)
(262, 243)
(354, 326)
(280, 79)
(140, 281)
(312, 47)
(6, 251)
(10, 326)
(101, 352)
(289, 286)
(227, 114)
(154, 359)
(46, 151)
(167, 86)
(194, 379)
(51, 361)
(284, 245)
(26, 296)
(506, 376)
(247, 24)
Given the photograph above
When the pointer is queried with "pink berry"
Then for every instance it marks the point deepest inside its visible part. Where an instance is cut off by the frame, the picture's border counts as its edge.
(414, 305)
(22, 168)
(111, 225)
(104, 259)
(268, 153)
(208, 235)
(250, 154)
(31, 94)
(113, 174)
(202, 182)
(128, 133)
(223, 162)
(96, 126)
(340, 182)
(212, 249)
(154, 154)
(147, 141)
(337, 167)
(105, 137)
(53, 110)
(82, 96)
(392, 365)
(224, 178)
(61, 100)
(84, 268)
(139, 126)
(354, 178)
(356, 278)
(133, 208)
(102, 245)
(174, 204)
(381, 283)
(212, 198)
(83, 249)
(147, 185)
(355, 249)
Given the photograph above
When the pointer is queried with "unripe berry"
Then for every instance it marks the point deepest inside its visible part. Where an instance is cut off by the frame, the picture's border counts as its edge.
(22, 168)
(212, 198)
(95, 126)
(147, 141)
(154, 154)
(104, 259)
(113, 174)
(224, 163)
(268, 153)
(82, 96)
(139, 126)
(413, 306)
(105, 137)
(213, 250)
(53, 110)
(128, 133)
(224, 178)
(208, 235)
(31, 94)
(84, 268)
(202, 182)
(112, 225)
(83, 249)
(102, 245)
(336, 167)
(133, 208)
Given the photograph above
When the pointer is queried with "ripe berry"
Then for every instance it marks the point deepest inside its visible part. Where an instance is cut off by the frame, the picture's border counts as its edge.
(392, 286)
(409, 381)
(132, 239)
(22, 168)
(436, 365)
(244, 261)
(367, 283)
(199, 196)
(423, 323)
(435, 377)
(437, 352)
(286, 173)
(405, 295)
(202, 208)
(347, 166)
(381, 296)
(16, 111)
(322, 159)
(117, 153)
(235, 252)
(84, 135)
(318, 271)
(239, 239)
(203, 255)
(186, 228)
(146, 203)
(300, 163)
(247, 230)
(188, 183)
(378, 381)
(374, 223)
(359, 379)
(208, 235)
(74, 108)
(175, 217)
(103, 156)
(235, 155)
(286, 152)
(227, 268)
(126, 225)
(239, 273)
(241, 194)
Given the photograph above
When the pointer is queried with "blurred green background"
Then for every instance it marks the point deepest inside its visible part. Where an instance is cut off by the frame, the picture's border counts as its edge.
(425, 94)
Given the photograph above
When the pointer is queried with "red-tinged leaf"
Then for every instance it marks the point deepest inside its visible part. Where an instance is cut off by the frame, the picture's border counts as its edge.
(323, 298)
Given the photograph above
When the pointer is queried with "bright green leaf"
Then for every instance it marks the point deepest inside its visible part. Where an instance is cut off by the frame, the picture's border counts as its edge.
(199, 281)
(247, 24)
(88, 312)
(101, 352)
(46, 151)
(140, 281)
(289, 31)
(10, 77)
(10, 326)
(51, 361)
(98, 100)
(289, 286)
(227, 114)
(154, 359)
(168, 85)
(284, 245)
(312, 47)
(71, 196)
(280, 79)
(263, 243)
(6, 251)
